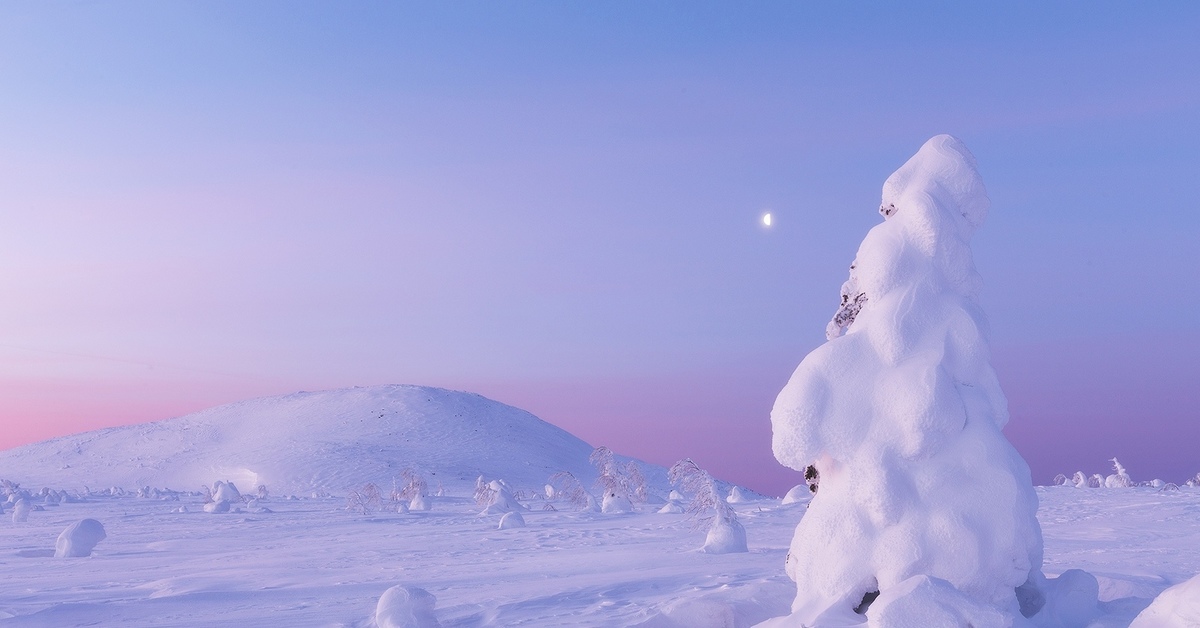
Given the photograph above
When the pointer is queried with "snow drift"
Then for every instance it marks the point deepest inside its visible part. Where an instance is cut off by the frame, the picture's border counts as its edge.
(900, 412)
(315, 442)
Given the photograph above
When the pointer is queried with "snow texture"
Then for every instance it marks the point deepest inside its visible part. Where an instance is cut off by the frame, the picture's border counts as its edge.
(1177, 607)
(900, 412)
(79, 539)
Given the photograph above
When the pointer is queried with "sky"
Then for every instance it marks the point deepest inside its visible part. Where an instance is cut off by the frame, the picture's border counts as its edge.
(557, 205)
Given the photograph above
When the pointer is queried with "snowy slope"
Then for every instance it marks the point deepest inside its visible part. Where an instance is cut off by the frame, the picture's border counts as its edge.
(314, 441)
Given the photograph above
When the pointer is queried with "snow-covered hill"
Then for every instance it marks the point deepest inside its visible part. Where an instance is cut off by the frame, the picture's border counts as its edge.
(314, 441)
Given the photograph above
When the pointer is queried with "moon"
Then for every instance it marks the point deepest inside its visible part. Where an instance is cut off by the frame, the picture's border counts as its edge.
(766, 219)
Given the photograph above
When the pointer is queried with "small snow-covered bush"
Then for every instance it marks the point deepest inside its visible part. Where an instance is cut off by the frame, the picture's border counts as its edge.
(406, 607)
(567, 486)
(365, 500)
(620, 485)
(1060, 480)
(1120, 479)
(1079, 480)
(725, 533)
(79, 539)
(414, 485)
(496, 497)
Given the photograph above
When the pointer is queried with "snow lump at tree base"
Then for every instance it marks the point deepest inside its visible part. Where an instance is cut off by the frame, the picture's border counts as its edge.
(922, 501)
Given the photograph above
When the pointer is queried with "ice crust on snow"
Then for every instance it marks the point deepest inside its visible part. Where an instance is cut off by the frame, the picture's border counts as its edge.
(900, 412)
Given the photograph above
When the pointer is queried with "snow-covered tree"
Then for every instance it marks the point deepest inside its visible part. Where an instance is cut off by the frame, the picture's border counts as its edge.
(615, 482)
(566, 486)
(1120, 479)
(725, 532)
(900, 413)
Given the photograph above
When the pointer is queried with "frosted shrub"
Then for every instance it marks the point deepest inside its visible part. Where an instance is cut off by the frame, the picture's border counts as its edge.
(1060, 480)
(566, 486)
(1096, 481)
(725, 533)
(1120, 479)
(1079, 480)
(415, 491)
(497, 497)
(620, 485)
(365, 500)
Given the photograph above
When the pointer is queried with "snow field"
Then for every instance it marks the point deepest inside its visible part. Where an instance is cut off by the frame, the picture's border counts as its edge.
(312, 562)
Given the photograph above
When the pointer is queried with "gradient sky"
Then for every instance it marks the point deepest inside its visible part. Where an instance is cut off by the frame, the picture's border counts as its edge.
(557, 205)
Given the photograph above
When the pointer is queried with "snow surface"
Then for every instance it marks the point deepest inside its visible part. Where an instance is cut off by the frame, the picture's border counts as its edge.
(900, 412)
(323, 442)
(310, 562)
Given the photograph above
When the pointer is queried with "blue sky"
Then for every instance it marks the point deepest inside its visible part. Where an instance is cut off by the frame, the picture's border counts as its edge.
(557, 205)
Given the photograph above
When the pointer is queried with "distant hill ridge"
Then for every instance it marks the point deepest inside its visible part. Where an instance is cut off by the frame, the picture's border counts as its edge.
(330, 441)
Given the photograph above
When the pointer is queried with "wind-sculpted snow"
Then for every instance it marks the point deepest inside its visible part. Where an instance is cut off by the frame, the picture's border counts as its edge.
(309, 442)
(900, 412)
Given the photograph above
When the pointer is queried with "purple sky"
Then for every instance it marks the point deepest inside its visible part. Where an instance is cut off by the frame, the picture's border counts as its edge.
(556, 205)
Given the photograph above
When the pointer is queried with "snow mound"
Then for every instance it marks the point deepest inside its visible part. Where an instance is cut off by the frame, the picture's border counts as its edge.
(725, 536)
(406, 607)
(798, 493)
(900, 413)
(926, 601)
(1177, 607)
(315, 442)
(511, 520)
(79, 539)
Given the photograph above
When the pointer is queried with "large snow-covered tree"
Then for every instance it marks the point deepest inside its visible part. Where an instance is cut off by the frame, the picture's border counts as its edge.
(900, 412)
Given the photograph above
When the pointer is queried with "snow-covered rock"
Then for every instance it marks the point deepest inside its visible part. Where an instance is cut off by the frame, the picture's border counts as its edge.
(1177, 607)
(725, 536)
(21, 510)
(1072, 599)
(216, 507)
(79, 539)
(901, 411)
(511, 519)
(671, 508)
(798, 493)
(406, 607)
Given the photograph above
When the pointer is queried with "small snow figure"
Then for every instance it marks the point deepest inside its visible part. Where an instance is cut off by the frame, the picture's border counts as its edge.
(899, 414)
(406, 607)
(21, 511)
(79, 539)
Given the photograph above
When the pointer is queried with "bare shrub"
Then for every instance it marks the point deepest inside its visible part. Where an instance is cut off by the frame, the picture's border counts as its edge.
(365, 500)
(568, 487)
(706, 503)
